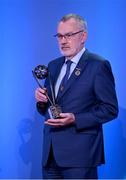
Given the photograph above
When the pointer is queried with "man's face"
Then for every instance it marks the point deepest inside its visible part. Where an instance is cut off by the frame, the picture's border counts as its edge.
(70, 45)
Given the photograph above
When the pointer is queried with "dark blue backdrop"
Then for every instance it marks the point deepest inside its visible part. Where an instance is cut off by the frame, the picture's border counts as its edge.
(26, 40)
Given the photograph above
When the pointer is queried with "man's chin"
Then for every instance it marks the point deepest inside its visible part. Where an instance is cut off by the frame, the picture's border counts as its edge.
(66, 54)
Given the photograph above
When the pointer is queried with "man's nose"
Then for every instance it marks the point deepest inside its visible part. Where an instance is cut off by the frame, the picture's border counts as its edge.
(63, 40)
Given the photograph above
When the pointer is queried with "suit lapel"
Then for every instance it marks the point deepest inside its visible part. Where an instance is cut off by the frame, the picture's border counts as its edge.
(76, 73)
(57, 69)
(54, 73)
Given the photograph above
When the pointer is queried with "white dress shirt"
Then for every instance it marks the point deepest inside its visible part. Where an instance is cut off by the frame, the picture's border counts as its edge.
(75, 60)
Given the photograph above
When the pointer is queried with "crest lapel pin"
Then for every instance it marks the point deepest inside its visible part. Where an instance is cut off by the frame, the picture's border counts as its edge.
(77, 71)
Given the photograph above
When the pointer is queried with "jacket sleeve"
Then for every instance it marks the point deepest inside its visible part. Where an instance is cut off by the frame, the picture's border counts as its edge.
(41, 107)
(106, 106)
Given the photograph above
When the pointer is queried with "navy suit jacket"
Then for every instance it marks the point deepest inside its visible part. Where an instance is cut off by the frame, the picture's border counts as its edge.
(92, 98)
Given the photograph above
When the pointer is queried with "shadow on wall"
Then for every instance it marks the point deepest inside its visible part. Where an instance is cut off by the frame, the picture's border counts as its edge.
(30, 150)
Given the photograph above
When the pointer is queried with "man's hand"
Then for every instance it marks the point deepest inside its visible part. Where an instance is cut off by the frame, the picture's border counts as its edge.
(66, 119)
(40, 95)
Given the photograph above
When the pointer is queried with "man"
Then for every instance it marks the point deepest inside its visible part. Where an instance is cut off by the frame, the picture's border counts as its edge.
(73, 144)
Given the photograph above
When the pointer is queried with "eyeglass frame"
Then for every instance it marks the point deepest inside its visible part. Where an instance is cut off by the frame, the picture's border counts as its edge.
(67, 36)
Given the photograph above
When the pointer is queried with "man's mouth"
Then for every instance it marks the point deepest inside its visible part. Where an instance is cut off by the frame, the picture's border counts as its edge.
(65, 48)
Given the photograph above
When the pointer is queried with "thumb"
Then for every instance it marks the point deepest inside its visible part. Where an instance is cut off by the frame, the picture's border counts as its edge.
(63, 115)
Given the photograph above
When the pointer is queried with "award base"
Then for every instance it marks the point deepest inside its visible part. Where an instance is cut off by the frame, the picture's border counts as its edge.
(55, 111)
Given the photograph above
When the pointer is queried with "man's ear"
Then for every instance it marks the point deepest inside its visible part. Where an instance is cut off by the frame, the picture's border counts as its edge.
(85, 34)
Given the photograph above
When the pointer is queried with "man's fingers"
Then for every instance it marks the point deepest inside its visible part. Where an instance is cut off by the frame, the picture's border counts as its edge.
(66, 118)
(41, 90)
(64, 115)
(55, 122)
(40, 95)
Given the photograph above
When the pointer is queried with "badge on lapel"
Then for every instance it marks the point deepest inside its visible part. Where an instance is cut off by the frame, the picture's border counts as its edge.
(77, 71)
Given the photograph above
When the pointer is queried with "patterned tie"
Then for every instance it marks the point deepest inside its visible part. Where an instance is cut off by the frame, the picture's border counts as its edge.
(65, 78)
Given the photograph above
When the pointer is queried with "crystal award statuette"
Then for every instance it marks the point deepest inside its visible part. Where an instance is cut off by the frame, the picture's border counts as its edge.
(41, 72)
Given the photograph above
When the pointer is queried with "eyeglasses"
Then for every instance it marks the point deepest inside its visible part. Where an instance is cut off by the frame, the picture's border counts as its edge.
(67, 36)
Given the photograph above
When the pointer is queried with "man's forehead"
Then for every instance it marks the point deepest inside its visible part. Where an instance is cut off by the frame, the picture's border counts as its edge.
(68, 25)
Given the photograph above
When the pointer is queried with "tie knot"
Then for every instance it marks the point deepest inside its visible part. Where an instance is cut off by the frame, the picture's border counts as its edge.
(68, 62)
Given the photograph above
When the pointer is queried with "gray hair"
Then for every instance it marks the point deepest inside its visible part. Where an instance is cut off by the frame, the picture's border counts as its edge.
(81, 21)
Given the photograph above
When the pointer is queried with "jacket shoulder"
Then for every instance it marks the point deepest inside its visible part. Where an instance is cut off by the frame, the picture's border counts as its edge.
(95, 57)
(56, 61)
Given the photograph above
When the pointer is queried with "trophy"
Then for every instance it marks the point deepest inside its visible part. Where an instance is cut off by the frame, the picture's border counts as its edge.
(41, 72)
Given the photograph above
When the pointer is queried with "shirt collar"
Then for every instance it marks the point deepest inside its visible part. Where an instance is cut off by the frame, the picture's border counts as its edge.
(77, 57)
